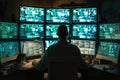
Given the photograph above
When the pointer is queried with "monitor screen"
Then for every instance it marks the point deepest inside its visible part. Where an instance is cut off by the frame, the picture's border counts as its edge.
(31, 31)
(51, 30)
(57, 15)
(87, 47)
(8, 51)
(8, 30)
(108, 51)
(31, 14)
(109, 31)
(84, 15)
(49, 43)
(84, 31)
(32, 48)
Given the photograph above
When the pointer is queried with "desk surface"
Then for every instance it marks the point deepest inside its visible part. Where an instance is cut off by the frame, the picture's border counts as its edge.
(9, 68)
(107, 68)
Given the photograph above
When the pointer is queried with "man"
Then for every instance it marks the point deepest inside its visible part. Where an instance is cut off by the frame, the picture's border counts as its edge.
(61, 49)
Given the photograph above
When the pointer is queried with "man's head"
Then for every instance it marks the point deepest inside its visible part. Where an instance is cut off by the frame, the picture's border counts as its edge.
(62, 31)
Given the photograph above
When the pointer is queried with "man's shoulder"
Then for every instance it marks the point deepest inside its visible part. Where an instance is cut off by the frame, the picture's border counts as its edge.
(73, 45)
(68, 45)
(51, 46)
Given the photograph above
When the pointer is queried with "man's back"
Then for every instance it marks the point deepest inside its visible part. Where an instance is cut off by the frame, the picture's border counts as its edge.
(63, 48)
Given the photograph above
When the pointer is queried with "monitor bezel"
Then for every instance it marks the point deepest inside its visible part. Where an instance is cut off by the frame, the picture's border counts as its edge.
(111, 39)
(86, 40)
(10, 58)
(69, 29)
(96, 21)
(32, 38)
(7, 22)
(108, 58)
(31, 7)
(96, 36)
(31, 56)
(57, 8)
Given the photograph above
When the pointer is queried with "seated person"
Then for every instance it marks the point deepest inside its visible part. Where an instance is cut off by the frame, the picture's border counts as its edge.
(62, 49)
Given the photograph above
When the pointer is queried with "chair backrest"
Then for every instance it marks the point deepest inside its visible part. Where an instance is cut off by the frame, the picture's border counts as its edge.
(62, 68)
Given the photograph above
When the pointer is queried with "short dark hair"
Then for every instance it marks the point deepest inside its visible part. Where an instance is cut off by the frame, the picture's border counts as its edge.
(62, 31)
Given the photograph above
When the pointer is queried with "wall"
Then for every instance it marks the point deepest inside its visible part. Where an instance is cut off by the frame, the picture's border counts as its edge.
(111, 10)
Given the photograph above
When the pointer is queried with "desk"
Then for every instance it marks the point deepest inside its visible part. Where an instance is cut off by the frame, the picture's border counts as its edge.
(107, 69)
(14, 71)
(9, 68)
(103, 72)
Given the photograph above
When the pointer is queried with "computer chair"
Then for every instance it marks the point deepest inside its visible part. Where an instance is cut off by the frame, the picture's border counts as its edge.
(62, 68)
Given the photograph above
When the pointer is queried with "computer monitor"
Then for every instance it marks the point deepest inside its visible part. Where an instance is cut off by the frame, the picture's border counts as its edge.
(28, 30)
(51, 30)
(108, 51)
(109, 31)
(49, 43)
(84, 15)
(87, 47)
(32, 48)
(84, 31)
(8, 50)
(31, 14)
(61, 15)
(8, 30)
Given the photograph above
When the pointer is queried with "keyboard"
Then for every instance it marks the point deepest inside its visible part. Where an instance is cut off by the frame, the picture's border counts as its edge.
(107, 68)
(101, 66)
